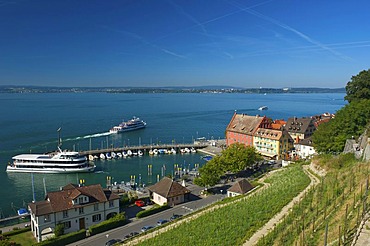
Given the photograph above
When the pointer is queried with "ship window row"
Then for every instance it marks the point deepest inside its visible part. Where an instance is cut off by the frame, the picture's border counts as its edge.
(54, 162)
(65, 167)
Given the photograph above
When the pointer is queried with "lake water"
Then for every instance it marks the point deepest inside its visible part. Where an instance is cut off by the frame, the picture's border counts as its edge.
(29, 123)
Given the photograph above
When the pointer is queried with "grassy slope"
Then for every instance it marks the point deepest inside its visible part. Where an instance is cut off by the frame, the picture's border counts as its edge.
(234, 223)
(337, 202)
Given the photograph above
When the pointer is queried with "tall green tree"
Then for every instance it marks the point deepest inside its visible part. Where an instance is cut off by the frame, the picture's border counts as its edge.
(359, 86)
(238, 157)
(235, 158)
(210, 173)
(350, 121)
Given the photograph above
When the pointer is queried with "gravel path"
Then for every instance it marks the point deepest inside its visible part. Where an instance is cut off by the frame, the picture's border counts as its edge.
(264, 230)
(270, 225)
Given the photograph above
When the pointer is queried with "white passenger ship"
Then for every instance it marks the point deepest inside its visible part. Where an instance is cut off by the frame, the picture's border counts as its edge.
(133, 124)
(59, 162)
(56, 162)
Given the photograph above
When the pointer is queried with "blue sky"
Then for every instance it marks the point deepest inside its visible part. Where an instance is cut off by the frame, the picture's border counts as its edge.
(255, 43)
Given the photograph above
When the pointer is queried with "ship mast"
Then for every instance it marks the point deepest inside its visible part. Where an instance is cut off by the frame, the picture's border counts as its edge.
(59, 139)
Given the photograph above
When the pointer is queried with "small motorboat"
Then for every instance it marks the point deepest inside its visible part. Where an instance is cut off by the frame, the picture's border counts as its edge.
(119, 154)
(124, 154)
(263, 108)
(129, 152)
(102, 156)
(108, 156)
(113, 154)
(91, 157)
(140, 153)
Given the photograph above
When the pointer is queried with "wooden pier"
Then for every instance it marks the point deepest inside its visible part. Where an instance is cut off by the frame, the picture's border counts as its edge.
(145, 148)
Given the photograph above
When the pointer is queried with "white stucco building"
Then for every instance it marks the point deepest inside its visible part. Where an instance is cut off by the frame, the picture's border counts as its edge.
(73, 206)
(304, 149)
(168, 192)
(239, 188)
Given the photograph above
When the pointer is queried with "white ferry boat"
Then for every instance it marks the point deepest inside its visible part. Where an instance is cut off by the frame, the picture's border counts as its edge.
(58, 162)
(133, 124)
(263, 108)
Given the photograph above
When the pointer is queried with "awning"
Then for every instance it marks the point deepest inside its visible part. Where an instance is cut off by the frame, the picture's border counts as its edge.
(268, 154)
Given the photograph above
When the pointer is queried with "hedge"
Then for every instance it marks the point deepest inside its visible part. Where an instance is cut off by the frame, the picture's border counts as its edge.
(16, 231)
(65, 239)
(151, 211)
(116, 221)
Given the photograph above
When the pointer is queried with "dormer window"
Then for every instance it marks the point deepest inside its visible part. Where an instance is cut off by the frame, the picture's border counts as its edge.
(80, 200)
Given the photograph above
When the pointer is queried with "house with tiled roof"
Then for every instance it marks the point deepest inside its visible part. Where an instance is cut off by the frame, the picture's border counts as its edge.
(278, 124)
(242, 127)
(304, 148)
(239, 188)
(75, 207)
(275, 144)
(300, 128)
(169, 192)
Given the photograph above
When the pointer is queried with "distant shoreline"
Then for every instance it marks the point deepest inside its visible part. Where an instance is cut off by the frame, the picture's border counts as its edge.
(211, 90)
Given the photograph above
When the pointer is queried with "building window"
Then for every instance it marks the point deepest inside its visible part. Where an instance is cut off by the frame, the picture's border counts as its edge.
(47, 218)
(85, 198)
(111, 204)
(96, 217)
(67, 224)
(65, 214)
(80, 200)
(81, 210)
(96, 207)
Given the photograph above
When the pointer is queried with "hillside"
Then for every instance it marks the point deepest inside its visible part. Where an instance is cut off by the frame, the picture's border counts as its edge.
(332, 211)
(329, 211)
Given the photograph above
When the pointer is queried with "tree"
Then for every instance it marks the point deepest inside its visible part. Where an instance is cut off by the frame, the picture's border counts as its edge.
(350, 121)
(235, 158)
(210, 173)
(358, 87)
(238, 157)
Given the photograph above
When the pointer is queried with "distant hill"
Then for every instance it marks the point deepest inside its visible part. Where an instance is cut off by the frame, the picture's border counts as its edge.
(167, 89)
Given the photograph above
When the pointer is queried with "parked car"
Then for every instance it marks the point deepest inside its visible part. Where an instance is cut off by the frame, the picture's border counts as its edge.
(139, 203)
(112, 242)
(134, 233)
(145, 228)
(175, 216)
(161, 222)
(149, 202)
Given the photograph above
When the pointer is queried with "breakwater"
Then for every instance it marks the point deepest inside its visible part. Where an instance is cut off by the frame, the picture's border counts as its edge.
(146, 148)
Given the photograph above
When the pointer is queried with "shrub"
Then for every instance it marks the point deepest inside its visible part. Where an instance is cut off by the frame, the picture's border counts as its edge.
(116, 221)
(65, 239)
(15, 232)
(59, 230)
(151, 211)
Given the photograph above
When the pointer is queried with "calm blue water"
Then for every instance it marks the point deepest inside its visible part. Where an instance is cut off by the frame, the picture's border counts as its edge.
(29, 123)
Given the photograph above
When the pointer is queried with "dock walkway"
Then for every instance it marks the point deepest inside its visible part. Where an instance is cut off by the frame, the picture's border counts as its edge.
(145, 148)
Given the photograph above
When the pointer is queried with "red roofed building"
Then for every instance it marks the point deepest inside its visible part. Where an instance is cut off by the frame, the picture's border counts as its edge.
(242, 127)
(75, 207)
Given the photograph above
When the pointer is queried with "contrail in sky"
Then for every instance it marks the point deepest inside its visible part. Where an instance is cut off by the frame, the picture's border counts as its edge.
(291, 29)
(144, 41)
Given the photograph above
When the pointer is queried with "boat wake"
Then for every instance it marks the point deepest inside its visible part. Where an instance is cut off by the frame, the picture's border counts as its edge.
(100, 172)
(96, 135)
